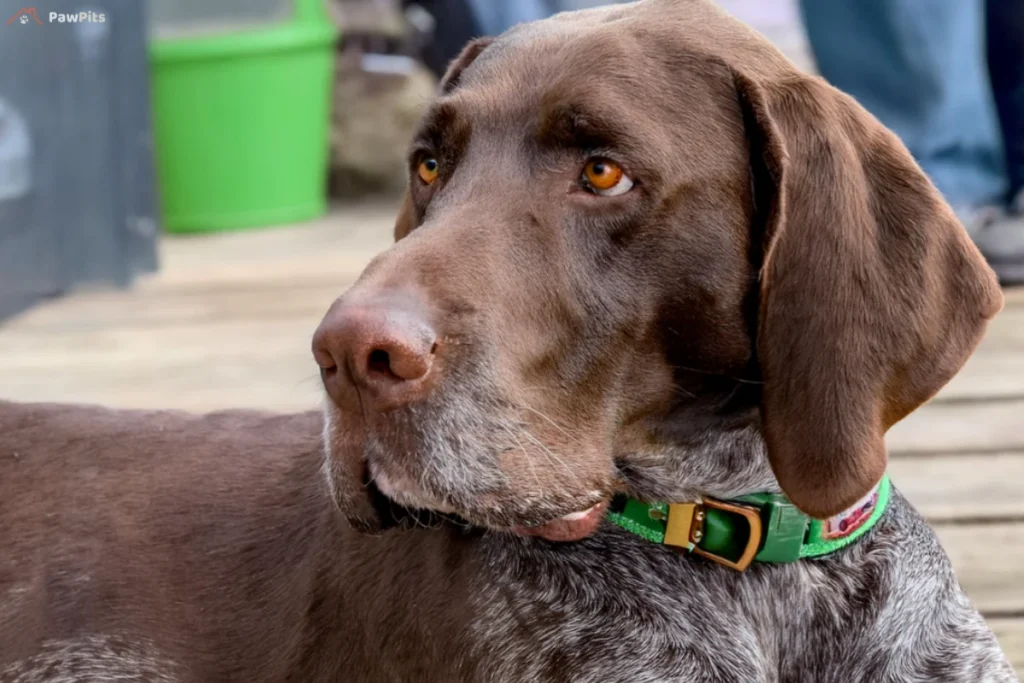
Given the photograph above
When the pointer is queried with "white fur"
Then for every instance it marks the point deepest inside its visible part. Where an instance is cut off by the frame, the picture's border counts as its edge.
(92, 659)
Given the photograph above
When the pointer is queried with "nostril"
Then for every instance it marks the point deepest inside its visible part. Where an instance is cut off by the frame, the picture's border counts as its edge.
(395, 363)
(379, 362)
(321, 345)
(325, 359)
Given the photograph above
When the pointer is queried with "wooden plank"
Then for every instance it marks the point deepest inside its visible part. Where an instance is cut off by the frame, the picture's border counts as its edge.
(205, 343)
(342, 242)
(281, 389)
(952, 427)
(950, 487)
(988, 559)
(267, 367)
(1006, 331)
(257, 361)
(994, 373)
(1014, 295)
(107, 310)
(326, 267)
(1010, 633)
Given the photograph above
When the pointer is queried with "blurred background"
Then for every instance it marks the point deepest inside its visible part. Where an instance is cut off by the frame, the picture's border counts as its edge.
(186, 185)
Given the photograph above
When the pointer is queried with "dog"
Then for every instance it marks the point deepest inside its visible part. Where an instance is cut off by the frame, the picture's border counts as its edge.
(655, 298)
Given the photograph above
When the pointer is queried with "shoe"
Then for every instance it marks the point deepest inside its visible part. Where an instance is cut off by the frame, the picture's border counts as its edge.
(976, 218)
(1001, 241)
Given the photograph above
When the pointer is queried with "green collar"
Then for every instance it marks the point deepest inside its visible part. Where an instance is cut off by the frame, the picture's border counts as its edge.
(763, 527)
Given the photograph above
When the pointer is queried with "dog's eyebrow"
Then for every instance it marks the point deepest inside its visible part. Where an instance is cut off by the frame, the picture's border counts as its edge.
(584, 126)
(438, 126)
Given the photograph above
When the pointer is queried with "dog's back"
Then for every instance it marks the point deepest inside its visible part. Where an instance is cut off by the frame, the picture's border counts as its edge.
(132, 541)
(164, 547)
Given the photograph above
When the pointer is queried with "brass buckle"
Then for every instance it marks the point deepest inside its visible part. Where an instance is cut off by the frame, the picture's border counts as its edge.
(684, 520)
(753, 517)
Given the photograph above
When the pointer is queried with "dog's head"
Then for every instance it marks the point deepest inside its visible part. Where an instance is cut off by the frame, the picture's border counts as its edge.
(639, 251)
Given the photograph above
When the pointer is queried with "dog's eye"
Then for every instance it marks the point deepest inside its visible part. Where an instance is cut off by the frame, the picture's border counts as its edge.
(428, 170)
(606, 178)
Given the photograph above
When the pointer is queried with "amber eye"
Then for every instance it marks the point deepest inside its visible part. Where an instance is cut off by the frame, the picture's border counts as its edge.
(606, 178)
(428, 170)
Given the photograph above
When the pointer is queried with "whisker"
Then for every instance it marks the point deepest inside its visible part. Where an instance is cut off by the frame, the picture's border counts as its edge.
(552, 423)
(526, 456)
(684, 392)
(715, 374)
(549, 453)
(329, 477)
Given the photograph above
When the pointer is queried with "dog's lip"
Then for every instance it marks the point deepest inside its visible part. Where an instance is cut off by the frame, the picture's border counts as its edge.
(405, 493)
(574, 526)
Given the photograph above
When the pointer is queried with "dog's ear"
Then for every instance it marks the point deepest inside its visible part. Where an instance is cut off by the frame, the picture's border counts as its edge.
(872, 295)
(468, 55)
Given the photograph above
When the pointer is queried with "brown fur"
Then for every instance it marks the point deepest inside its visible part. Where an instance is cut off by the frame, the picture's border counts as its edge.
(778, 232)
(872, 294)
(781, 276)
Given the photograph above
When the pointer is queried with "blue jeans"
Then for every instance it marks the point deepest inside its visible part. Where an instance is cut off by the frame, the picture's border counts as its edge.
(1006, 66)
(919, 67)
(497, 16)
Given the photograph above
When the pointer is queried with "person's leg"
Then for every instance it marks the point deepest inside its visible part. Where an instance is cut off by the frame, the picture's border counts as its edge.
(1005, 33)
(918, 65)
(572, 5)
(1002, 242)
(455, 25)
(459, 21)
(498, 16)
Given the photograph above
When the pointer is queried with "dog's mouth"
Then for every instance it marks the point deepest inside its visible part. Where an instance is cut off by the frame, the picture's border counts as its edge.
(397, 497)
(403, 491)
(574, 526)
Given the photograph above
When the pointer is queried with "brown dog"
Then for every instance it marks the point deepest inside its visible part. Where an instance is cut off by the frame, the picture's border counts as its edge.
(641, 254)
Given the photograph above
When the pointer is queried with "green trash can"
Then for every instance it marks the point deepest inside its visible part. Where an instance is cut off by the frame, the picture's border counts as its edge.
(241, 106)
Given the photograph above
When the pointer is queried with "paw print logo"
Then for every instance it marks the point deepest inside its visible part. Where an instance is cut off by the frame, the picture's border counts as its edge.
(24, 15)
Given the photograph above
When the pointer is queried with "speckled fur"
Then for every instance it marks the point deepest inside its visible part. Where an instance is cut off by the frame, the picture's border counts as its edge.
(886, 610)
(92, 659)
(239, 567)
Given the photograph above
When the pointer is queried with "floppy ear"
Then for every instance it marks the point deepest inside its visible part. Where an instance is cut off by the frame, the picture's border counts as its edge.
(872, 294)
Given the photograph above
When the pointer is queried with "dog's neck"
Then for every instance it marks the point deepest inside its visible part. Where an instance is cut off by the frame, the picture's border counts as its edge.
(722, 464)
(709, 444)
(452, 576)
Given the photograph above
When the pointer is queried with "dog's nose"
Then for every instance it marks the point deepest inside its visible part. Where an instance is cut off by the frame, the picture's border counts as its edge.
(379, 354)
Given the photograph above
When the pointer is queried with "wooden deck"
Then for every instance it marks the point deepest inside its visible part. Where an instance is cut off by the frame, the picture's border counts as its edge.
(227, 324)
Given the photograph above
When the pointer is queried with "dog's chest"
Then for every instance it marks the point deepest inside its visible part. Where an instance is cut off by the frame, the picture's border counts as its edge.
(87, 659)
(605, 613)
(573, 618)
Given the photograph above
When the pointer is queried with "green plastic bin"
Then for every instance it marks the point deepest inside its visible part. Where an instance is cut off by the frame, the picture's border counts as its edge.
(241, 105)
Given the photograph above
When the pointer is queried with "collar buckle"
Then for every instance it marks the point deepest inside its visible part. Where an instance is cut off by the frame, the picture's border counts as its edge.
(752, 515)
(684, 526)
(777, 531)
